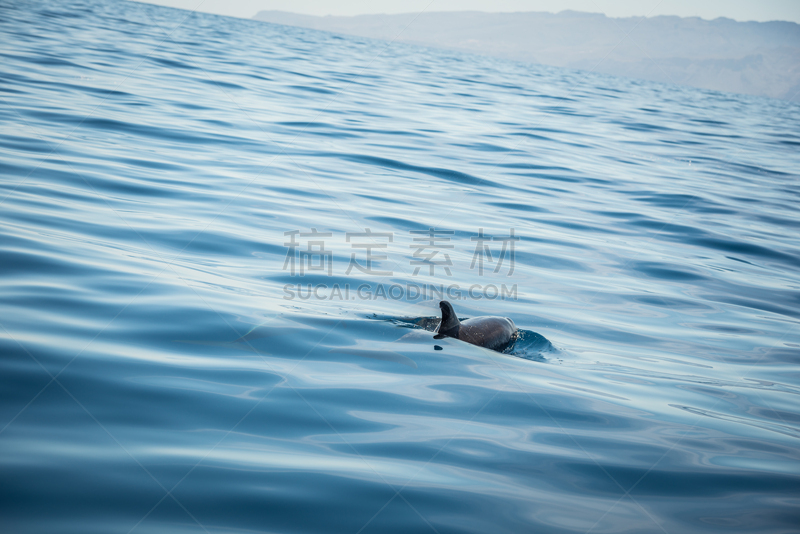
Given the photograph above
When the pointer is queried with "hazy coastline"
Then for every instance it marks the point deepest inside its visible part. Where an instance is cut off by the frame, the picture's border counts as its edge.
(756, 58)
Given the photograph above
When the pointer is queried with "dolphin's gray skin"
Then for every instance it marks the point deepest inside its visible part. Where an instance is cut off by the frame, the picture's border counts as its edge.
(494, 333)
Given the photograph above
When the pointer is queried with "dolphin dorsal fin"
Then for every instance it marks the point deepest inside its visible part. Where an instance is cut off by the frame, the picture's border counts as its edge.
(449, 317)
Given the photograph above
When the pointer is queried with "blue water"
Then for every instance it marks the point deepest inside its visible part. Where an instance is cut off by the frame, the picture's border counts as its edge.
(156, 376)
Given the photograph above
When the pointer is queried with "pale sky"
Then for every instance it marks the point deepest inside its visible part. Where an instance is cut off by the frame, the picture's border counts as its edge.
(760, 10)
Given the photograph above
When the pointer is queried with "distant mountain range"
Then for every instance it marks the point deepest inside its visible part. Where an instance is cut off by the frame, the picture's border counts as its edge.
(758, 58)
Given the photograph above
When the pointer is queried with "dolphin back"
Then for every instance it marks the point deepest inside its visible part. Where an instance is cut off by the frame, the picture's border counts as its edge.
(494, 333)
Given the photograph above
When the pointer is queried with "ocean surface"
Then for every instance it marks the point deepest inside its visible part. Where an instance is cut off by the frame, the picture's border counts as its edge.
(222, 248)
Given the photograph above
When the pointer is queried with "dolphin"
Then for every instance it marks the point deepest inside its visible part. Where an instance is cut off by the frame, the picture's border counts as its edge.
(494, 333)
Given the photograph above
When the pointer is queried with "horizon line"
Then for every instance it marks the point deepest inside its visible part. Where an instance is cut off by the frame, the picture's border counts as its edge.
(594, 13)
